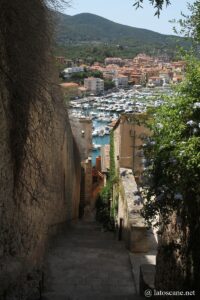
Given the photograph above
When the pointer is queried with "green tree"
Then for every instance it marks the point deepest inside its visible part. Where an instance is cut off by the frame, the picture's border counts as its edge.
(108, 84)
(190, 25)
(105, 210)
(172, 174)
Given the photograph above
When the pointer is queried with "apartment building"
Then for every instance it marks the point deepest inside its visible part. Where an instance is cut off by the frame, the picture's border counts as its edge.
(94, 85)
(121, 81)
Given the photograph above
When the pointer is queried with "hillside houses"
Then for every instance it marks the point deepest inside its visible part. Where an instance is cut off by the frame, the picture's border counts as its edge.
(67, 73)
(141, 70)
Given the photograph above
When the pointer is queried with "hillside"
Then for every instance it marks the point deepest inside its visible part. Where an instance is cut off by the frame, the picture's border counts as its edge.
(87, 28)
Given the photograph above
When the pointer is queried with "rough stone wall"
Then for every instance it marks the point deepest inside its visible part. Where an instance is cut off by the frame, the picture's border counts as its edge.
(39, 159)
(6, 168)
(172, 261)
(30, 210)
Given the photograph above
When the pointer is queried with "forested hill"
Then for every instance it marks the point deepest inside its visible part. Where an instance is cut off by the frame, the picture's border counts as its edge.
(92, 38)
(87, 27)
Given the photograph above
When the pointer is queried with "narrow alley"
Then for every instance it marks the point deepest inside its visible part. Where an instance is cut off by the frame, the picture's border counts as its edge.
(88, 264)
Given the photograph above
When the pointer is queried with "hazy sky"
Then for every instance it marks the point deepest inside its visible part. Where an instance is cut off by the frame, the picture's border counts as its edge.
(122, 11)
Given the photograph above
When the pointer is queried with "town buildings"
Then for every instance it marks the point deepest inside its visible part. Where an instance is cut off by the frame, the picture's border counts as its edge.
(114, 60)
(94, 85)
(155, 81)
(142, 70)
(121, 81)
(68, 72)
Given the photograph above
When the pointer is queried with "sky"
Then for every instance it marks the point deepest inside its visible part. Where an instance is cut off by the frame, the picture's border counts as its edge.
(123, 12)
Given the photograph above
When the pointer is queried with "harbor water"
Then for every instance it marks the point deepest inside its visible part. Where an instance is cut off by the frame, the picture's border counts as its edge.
(105, 109)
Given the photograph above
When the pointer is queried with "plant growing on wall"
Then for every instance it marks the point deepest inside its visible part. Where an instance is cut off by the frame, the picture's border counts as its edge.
(106, 205)
(25, 66)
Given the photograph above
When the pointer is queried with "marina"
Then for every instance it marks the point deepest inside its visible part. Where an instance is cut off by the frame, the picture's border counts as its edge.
(106, 109)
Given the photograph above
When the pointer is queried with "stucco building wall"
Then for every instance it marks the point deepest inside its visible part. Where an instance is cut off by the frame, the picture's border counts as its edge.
(82, 131)
(128, 139)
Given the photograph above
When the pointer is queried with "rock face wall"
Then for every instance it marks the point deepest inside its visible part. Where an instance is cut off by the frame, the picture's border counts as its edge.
(39, 159)
(172, 261)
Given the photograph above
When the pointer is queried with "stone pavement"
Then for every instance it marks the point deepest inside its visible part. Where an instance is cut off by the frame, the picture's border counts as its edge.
(88, 264)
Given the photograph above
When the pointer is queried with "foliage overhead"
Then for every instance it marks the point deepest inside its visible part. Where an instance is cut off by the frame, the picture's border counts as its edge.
(158, 4)
(189, 25)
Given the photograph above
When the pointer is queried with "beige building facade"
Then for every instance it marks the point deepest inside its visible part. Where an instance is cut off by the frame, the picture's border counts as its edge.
(82, 132)
(121, 81)
(95, 85)
(129, 134)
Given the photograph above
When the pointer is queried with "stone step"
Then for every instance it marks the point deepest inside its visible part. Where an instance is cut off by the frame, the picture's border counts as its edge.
(86, 263)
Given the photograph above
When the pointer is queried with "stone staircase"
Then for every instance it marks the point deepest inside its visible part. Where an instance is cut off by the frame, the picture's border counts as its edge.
(86, 263)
